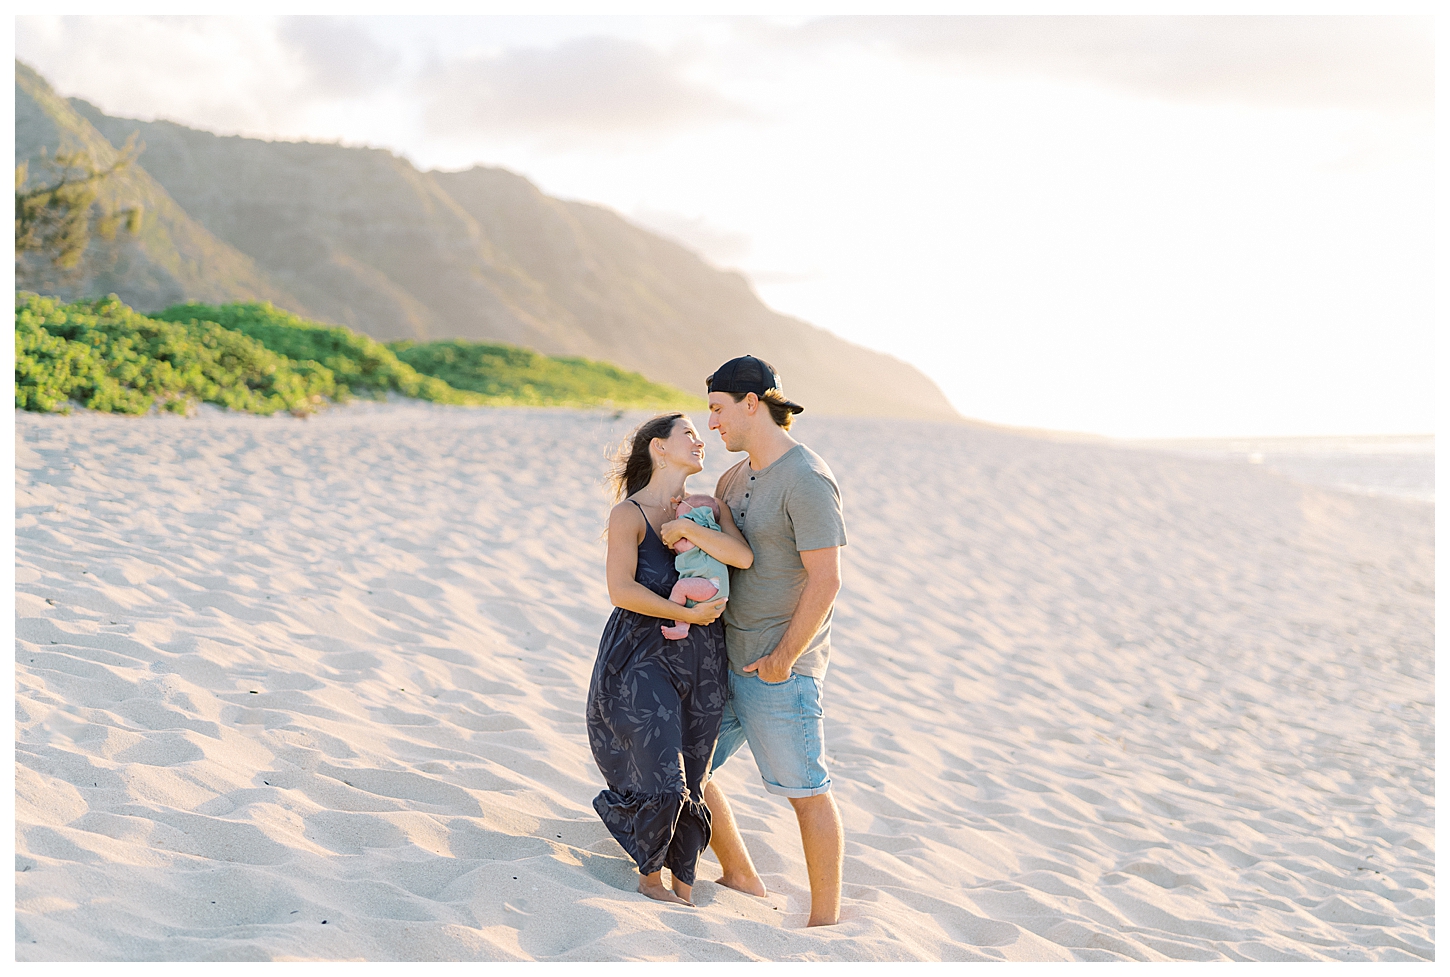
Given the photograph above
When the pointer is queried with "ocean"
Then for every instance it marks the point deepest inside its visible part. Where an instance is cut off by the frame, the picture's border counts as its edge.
(1397, 466)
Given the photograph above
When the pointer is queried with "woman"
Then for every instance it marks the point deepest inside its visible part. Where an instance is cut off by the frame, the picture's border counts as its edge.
(654, 704)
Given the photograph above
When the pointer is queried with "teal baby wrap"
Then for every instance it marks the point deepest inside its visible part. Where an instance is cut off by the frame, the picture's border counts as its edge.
(697, 563)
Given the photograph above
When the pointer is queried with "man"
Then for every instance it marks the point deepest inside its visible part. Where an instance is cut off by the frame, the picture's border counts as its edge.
(784, 498)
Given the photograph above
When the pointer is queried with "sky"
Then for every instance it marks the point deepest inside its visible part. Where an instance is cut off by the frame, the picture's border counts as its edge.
(1129, 226)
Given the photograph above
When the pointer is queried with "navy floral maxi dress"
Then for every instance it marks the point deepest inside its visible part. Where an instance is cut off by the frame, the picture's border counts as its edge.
(653, 716)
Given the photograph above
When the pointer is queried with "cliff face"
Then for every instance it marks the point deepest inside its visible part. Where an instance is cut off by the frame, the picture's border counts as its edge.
(363, 238)
(626, 292)
(171, 258)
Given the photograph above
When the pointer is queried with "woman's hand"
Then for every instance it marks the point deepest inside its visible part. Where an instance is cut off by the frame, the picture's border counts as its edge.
(675, 530)
(704, 612)
(728, 546)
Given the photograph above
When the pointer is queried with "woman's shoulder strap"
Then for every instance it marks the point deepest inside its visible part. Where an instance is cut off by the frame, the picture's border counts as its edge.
(644, 518)
(620, 511)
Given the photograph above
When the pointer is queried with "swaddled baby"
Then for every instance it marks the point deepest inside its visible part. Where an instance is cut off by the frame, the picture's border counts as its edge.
(702, 577)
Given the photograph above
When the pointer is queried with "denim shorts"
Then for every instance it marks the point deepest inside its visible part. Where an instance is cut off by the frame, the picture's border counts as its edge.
(782, 723)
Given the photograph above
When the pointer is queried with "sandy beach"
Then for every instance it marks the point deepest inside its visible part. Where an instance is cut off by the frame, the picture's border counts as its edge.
(314, 689)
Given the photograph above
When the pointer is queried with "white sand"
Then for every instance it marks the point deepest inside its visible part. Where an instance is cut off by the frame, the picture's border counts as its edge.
(1085, 703)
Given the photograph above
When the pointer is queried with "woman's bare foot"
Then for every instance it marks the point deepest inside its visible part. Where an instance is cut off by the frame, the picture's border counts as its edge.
(748, 884)
(682, 890)
(650, 885)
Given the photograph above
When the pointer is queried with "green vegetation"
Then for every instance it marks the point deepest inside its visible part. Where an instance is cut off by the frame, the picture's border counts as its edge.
(360, 365)
(257, 358)
(56, 219)
(451, 372)
(111, 358)
(512, 375)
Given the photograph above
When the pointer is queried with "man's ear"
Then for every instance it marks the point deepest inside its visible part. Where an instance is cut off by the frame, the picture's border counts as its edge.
(751, 403)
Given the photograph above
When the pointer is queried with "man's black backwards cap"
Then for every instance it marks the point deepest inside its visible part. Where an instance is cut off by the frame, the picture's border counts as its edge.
(748, 375)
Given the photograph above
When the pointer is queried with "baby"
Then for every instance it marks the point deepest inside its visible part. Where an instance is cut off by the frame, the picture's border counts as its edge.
(702, 577)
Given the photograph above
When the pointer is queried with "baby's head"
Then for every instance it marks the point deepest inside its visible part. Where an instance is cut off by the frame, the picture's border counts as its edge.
(691, 503)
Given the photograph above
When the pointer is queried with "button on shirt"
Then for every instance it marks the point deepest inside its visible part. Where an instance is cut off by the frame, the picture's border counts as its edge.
(792, 504)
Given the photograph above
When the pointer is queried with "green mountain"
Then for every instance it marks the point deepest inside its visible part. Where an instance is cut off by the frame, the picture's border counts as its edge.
(361, 237)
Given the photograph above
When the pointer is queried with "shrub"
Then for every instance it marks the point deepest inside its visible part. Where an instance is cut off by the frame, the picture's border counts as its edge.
(258, 358)
(359, 364)
(511, 374)
(109, 357)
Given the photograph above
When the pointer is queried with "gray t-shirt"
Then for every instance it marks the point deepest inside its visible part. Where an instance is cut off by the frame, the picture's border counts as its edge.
(790, 505)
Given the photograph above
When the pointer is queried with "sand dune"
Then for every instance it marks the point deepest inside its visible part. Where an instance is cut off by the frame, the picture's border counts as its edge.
(314, 689)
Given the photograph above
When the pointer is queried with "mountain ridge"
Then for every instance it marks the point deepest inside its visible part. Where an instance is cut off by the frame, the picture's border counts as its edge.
(171, 258)
(362, 237)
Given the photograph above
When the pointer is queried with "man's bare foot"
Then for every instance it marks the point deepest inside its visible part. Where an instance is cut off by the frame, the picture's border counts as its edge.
(682, 890)
(748, 884)
(650, 885)
(823, 922)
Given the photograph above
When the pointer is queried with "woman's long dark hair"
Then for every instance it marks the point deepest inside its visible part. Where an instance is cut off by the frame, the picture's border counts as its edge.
(633, 465)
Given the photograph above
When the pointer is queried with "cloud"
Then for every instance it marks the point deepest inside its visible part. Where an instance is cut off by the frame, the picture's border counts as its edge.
(1361, 62)
(251, 75)
(340, 56)
(588, 87)
(766, 277)
(720, 247)
(225, 74)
